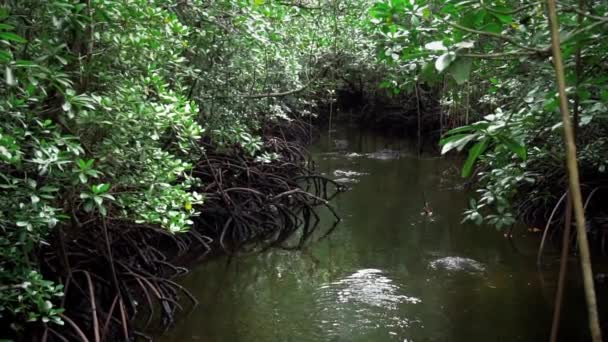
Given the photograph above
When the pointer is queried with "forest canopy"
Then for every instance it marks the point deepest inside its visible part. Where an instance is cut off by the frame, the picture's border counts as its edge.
(108, 105)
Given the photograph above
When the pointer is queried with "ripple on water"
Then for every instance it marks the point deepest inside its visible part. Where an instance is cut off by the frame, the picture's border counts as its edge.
(347, 176)
(458, 264)
(346, 180)
(354, 155)
(384, 154)
(361, 303)
(348, 173)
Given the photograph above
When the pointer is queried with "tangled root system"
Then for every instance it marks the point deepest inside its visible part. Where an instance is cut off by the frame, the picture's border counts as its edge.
(119, 276)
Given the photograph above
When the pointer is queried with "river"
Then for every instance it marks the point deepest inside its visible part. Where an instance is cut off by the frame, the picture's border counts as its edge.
(388, 272)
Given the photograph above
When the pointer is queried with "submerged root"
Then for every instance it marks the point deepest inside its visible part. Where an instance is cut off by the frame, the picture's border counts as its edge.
(119, 276)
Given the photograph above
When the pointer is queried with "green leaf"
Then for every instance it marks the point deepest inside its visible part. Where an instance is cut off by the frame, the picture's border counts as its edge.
(465, 44)
(493, 28)
(104, 187)
(25, 64)
(478, 126)
(66, 106)
(12, 37)
(583, 94)
(504, 18)
(397, 3)
(380, 11)
(479, 17)
(585, 119)
(514, 146)
(449, 138)
(457, 141)
(426, 13)
(444, 61)
(9, 77)
(551, 105)
(449, 9)
(5, 56)
(6, 27)
(98, 200)
(436, 46)
(109, 197)
(461, 69)
(474, 154)
(100, 188)
(48, 188)
(415, 21)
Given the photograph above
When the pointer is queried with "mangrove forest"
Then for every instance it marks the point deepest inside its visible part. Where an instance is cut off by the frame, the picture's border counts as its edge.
(303, 170)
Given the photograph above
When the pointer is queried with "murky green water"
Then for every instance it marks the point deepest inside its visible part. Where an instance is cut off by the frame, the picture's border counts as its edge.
(383, 274)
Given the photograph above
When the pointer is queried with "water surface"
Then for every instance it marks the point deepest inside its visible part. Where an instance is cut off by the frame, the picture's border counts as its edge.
(388, 272)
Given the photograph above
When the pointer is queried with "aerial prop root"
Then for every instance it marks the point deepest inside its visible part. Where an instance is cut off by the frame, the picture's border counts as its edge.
(119, 276)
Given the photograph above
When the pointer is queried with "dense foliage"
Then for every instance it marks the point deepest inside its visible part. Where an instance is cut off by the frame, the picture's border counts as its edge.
(105, 103)
(494, 59)
(95, 118)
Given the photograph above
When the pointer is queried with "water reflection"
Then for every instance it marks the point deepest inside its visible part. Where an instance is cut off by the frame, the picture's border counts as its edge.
(457, 264)
(387, 273)
(371, 287)
(362, 302)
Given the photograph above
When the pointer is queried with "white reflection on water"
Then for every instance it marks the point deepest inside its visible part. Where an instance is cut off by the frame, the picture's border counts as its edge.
(367, 301)
(370, 287)
(458, 264)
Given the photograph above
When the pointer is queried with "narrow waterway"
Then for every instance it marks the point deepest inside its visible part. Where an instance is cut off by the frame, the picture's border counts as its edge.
(388, 272)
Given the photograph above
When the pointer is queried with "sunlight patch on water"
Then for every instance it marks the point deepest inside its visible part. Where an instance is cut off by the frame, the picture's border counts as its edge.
(354, 155)
(384, 154)
(346, 180)
(363, 302)
(348, 176)
(457, 264)
(369, 286)
(349, 173)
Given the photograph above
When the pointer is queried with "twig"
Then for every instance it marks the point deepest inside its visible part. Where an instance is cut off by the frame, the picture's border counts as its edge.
(503, 37)
(563, 269)
(93, 307)
(511, 12)
(81, 334)
(547, 226)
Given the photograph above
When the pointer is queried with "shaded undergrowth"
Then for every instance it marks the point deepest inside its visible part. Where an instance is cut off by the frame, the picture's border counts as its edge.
(119, 276)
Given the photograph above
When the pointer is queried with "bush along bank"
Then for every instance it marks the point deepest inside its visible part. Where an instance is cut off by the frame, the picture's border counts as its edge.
(492, 71)
(118, 275)
(135, 134)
